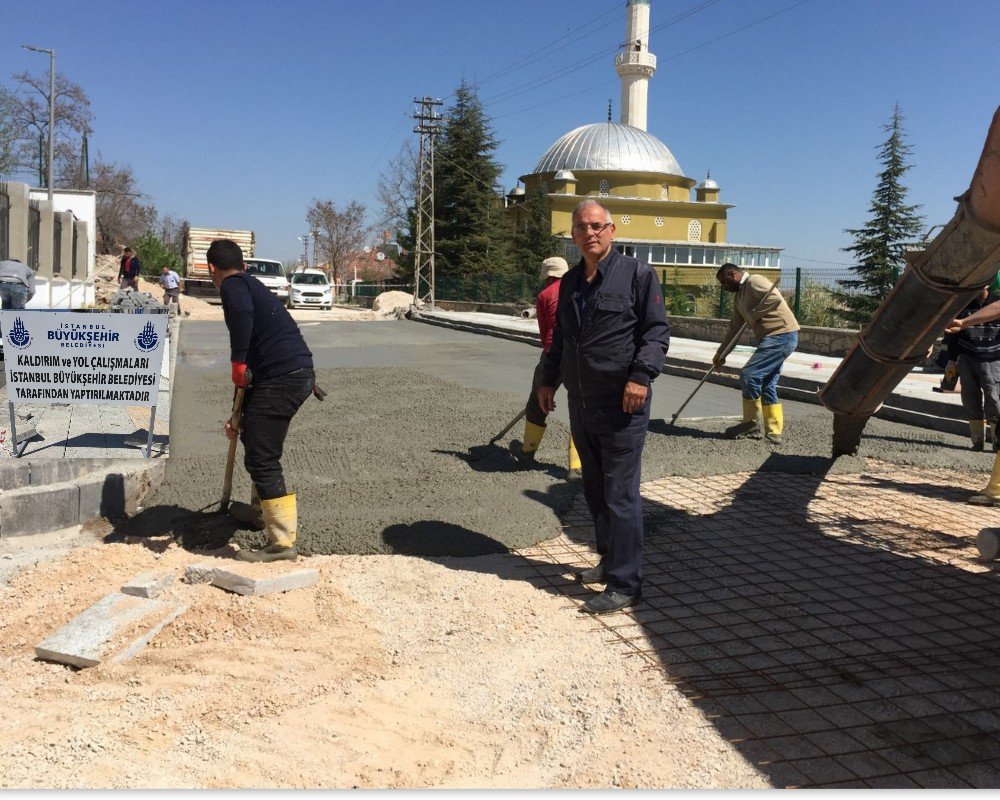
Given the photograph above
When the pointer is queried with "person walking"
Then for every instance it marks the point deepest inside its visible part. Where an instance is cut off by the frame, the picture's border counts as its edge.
(271, 362)
(608, 345)
(553, 269)
(17, 284)
(763, 309)
(171, 283)
(128, 270)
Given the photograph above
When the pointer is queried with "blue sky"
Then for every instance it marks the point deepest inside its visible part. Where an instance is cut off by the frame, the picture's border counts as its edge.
(239, 114)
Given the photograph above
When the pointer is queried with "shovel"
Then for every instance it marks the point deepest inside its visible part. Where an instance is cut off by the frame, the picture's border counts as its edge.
(512, 423)
(234, 423)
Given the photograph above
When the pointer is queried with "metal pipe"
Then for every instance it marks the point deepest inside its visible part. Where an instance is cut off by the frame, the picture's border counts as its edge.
(936, 285)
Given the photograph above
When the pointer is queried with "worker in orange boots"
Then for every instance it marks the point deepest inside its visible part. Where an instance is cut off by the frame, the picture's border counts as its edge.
(524, 450)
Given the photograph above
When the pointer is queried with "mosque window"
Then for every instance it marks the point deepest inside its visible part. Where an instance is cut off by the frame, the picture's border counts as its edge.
(694, 231)
(664, 191)
(658, 222)
(605, 188)
(626, 219)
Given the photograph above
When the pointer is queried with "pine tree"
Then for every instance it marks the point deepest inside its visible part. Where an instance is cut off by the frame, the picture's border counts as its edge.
(535, 241)
(471, 232)
(879, 245)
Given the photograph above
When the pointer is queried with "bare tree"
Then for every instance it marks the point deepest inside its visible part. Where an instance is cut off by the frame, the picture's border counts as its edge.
(341, 233)
(30, 118)
(397, 190)
(8, 132)
(123, 215)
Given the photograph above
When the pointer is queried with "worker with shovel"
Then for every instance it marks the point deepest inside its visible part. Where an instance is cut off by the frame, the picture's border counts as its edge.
(761, 307)
(553, 269)
(271, 362)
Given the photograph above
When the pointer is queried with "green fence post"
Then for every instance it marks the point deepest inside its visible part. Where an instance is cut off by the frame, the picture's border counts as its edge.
(798, 290)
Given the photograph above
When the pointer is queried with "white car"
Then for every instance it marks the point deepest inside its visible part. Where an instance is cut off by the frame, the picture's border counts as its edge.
(310, 288)
(271, 274)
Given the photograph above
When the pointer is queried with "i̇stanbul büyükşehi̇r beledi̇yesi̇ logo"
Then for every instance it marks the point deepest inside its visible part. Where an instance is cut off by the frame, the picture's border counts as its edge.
(147, 338)
(19, 336)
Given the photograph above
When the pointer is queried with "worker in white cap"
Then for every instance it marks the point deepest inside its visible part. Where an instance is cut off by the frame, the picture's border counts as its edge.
(553, 269)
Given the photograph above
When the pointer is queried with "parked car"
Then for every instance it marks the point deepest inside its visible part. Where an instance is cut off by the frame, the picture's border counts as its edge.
(271, 274)
(310, 288)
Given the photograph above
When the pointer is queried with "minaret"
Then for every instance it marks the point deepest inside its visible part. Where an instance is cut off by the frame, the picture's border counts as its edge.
(635, 65)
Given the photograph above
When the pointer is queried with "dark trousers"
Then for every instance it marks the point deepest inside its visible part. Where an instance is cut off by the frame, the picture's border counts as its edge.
(532, 411)
(610, 445)
(268, 408)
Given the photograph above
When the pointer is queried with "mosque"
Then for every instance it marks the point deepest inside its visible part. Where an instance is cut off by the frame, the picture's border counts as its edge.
(641, 183)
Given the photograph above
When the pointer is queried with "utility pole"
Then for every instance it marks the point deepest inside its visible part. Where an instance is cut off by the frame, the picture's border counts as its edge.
(423, 261)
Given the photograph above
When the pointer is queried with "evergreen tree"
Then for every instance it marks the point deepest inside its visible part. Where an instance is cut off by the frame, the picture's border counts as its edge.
(470, 224)
(534, 242)
(879, 245)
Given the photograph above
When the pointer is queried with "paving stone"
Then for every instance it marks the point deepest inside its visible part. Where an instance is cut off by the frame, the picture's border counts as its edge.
(199, 573)
(114, 629)
(241, 584)
(149, 584)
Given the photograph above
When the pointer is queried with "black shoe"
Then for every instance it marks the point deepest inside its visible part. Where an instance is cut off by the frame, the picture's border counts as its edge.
(592, 575)
(516, 450)
(273, 552)
(978, 447)
(607, 602)
(773, 438)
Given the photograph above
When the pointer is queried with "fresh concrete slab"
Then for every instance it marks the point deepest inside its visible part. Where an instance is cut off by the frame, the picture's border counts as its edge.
(115, 629)
(149, 584)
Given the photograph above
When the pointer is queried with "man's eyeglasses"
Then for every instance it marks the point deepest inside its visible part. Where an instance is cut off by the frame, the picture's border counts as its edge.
(592, 227)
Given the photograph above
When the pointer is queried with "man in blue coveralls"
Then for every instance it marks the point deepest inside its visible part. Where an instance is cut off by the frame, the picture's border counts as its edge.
(610, 341)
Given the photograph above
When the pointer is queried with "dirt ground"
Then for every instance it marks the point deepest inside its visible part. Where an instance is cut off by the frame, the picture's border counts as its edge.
(393, 671)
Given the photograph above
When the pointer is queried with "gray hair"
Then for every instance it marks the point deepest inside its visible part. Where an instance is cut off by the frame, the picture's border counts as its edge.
(591, 202)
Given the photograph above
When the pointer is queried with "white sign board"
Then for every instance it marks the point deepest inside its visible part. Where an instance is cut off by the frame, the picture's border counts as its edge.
(72, 357)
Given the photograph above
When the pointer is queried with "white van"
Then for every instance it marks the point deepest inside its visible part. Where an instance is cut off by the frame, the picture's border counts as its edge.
(310, 288)
(270, 273)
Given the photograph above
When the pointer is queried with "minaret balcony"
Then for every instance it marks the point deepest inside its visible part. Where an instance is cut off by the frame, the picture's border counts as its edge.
(635, 62)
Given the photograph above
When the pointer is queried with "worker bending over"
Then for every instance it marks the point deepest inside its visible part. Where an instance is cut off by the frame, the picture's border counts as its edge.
(265, 343)
(534, 418)
(764, 310)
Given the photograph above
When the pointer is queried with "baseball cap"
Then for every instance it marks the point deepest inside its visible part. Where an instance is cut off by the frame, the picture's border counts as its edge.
(554, 267)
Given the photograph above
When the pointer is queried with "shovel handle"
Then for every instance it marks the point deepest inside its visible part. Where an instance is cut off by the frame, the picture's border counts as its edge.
(234, 423)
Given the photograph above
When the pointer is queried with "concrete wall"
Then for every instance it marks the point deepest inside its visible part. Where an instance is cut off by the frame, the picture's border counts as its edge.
(820, 341)
(18, 194)
(83, 204)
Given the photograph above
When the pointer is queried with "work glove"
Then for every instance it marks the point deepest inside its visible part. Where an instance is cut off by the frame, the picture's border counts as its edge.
(718, 361)
(239, 374)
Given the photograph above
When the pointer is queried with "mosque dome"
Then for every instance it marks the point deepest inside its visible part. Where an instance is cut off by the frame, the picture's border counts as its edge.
(709, 184)
(609, 146)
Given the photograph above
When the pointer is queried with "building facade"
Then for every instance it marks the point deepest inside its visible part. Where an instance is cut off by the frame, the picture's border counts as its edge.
(661, 216)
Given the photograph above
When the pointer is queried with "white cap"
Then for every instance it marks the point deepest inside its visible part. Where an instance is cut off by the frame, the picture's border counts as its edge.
(553, 267)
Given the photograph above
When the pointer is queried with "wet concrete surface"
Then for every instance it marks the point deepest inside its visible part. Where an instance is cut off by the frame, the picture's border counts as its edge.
(396, 459)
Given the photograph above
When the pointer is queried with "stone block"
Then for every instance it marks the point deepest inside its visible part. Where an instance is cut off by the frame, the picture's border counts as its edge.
(199, 573)
(285, 582)
(39, 509)
(116, 628)
(14, 475)
(149, 584)
(102, 494)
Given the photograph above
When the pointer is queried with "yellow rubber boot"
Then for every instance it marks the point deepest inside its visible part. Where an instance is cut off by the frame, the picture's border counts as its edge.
(281, 521)
(774, 422)
(750, 427)
(524, 451)
(990, 495)
(977, 432)
(574, 469)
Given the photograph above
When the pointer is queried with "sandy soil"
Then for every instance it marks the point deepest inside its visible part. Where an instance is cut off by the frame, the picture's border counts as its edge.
(393, 671)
